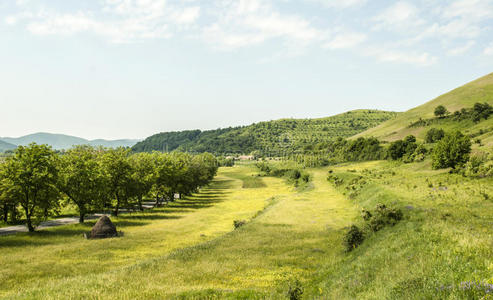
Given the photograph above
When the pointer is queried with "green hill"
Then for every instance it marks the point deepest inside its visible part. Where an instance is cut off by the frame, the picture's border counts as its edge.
(478, 91)
(267, 137)
(62, 141)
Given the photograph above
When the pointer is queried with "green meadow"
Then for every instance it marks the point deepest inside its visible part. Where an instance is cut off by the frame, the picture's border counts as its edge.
(292, 238)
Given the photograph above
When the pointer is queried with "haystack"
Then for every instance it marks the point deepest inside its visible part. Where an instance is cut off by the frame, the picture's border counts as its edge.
(104, 228)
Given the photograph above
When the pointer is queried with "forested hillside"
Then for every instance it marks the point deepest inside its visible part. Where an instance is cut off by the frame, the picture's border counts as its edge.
(267, 137)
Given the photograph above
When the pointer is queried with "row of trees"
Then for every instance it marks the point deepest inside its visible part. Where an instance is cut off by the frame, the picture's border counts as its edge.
(39, 181)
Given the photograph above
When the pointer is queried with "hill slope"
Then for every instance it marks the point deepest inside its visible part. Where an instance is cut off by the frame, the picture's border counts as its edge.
(272, 136)
(4, 146)
(480, 90)
(62, 141)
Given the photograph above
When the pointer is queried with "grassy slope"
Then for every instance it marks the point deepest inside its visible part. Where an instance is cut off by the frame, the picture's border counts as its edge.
(445, 238)
(480, 90)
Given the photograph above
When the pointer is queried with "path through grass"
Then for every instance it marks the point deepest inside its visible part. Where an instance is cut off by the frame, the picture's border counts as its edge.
(168, 257)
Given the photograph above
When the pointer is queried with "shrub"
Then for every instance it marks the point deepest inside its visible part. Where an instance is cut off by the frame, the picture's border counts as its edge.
(238, 223)
(434, 135)
(419, 153)
(481, 111)
(295, 290)
(479, 166)
(383, 216)
(401, 148)
(353, 238)
(451, 151)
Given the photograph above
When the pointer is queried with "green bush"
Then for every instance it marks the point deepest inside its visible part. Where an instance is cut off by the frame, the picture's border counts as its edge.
(353, 238)
(451, 151)
(295, 290)
(382, 217)
(402, 148)
(434, 135)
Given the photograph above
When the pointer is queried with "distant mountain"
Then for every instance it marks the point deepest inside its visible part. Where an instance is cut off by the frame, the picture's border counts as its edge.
(4, 146)
(62, 141)
(267, 137)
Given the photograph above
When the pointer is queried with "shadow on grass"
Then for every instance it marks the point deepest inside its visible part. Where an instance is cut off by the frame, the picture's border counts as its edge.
(208, 197)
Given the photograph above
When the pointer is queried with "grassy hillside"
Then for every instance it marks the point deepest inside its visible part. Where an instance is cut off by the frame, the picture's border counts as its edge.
(62, 141)
(440, 250)
(273, 136)
(480, 90)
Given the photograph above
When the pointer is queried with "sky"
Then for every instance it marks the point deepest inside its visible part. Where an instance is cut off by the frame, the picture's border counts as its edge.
(132, 68)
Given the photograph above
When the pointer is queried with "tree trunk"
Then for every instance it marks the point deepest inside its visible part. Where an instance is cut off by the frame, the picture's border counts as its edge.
(140, 203)
(28, 219)
(81, 217)
(117, 205)
(5, 213)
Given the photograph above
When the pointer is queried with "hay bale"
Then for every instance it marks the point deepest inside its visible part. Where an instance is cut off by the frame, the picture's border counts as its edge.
(104, 228)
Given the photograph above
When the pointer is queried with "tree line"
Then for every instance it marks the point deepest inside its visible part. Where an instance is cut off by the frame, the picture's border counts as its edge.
(37, 182)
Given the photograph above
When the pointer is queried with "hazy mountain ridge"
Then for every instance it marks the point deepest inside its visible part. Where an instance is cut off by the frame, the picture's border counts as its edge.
(62, 141)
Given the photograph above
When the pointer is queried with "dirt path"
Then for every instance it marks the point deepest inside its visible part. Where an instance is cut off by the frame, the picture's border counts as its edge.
(59, 222)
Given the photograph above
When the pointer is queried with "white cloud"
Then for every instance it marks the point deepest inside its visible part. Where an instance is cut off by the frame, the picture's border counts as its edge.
(341, 3)
(461, 49)
(250, 22)
(400, 15)
(396, 56)
(473, 10)
(186, 16)
(489, 49)
(346, 40)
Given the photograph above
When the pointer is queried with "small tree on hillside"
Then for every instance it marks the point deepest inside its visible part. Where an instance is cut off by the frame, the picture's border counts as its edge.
(441, 111)
(31, 179)
(451, 151)
(434, 135)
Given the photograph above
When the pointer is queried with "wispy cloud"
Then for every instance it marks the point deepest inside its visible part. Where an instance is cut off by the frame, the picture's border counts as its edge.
(488, 50)
(401, 32)
(346, 40)
(461, 49)
(400, 15)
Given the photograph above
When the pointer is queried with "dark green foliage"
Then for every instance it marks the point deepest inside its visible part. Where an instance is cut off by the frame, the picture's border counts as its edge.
(225, 162)
(451, 151)
(238, 223)
(481, 111)
(353, 238)
(440, 111)
(434, 135)
(293, 174)
(402, 148)
(273, 138)
(295, 290)
(382, 216)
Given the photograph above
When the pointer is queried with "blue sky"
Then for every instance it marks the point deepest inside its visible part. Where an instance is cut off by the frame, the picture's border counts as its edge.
(132, 68)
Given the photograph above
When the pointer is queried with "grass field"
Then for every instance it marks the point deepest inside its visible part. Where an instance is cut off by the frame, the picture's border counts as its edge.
(191, 251)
